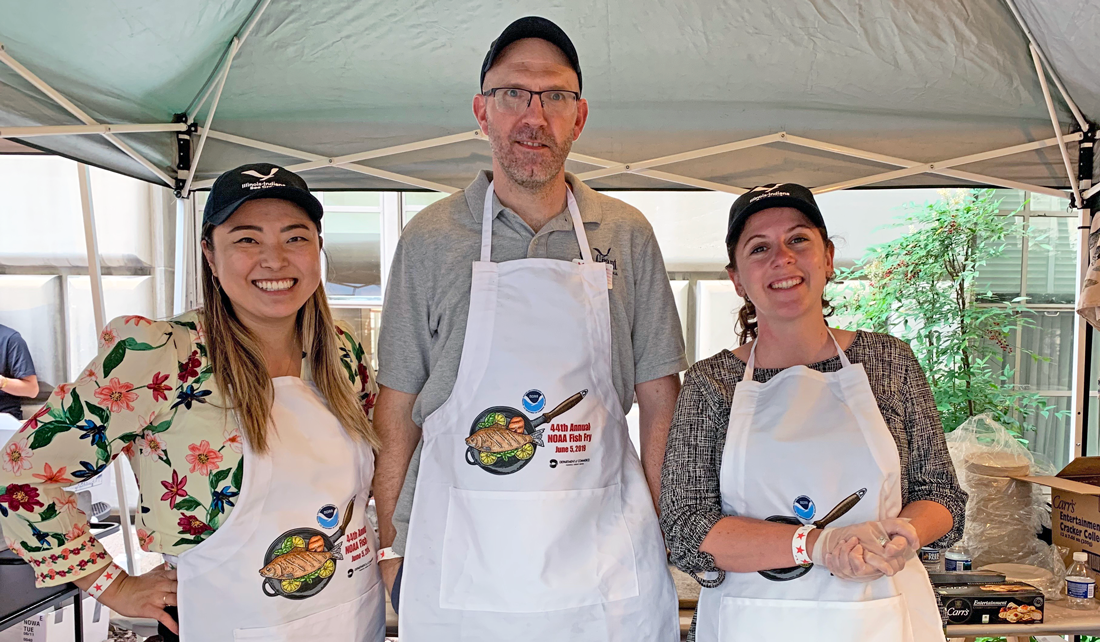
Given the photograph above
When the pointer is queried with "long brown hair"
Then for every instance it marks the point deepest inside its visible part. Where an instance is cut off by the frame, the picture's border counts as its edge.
(236, 357)
(746, 318)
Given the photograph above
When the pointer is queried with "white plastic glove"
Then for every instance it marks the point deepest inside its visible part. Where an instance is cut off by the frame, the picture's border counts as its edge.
(849, 561)
(868, 550)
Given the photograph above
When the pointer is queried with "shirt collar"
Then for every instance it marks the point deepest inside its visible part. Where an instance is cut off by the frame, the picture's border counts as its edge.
(590, 207)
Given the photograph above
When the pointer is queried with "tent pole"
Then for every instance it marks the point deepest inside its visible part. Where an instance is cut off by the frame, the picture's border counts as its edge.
(96, 277)
(56, 96)
(242, 35)
(210, 117)
(318, 161)
(611, 168)
(923, 168)
(1079, 202)
(901, 162)
(1083, 336)
(1081, 121)
(337, 161)
(684, 156)
(81, 130)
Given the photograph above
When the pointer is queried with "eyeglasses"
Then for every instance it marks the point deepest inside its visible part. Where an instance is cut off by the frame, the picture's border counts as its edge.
(555, 102)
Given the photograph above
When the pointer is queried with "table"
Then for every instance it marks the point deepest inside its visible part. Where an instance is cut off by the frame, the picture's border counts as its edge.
(1058, 620)
(19, 599)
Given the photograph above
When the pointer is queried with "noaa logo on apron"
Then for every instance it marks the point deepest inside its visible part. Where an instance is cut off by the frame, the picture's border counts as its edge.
(804, 508)
(328, 516)
(534, 401)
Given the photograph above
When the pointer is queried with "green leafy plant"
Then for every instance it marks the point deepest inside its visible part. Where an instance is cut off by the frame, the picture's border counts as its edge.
(924, 288)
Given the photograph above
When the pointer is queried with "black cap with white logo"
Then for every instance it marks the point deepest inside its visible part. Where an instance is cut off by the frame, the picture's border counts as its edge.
(532, 27)
(769, 196)
(258, 180)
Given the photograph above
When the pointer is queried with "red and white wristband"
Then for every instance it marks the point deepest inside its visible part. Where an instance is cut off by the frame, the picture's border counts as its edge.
(798, 545)
(388, 554)
(108, 578)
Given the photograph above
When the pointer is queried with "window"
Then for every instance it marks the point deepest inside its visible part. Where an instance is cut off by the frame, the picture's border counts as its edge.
(353, 245)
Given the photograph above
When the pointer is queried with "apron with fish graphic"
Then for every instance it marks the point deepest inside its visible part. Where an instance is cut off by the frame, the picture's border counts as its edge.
(532, 519)
(295, 559)
(799, 445)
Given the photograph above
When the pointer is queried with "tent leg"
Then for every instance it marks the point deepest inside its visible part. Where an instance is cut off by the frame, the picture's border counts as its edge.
(1082, 356)
(96, 278)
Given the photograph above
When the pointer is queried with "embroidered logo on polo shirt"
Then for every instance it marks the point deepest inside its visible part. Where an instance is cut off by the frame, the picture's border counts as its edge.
(605, 257)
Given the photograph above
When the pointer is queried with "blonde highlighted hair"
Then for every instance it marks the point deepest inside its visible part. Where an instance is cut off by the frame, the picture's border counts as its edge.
(237, 360)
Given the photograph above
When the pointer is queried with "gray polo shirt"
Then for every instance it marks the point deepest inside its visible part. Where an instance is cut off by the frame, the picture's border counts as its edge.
(428, 296)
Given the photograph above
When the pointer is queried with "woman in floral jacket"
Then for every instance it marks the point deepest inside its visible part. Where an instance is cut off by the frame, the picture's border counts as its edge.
(189, 401)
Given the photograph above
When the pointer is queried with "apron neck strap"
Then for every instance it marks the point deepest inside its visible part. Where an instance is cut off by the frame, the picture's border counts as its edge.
(574, 215)
(750, 365)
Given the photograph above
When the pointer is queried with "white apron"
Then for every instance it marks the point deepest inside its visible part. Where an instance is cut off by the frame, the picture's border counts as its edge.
(287, 524)
(797, 446)
(532, 519)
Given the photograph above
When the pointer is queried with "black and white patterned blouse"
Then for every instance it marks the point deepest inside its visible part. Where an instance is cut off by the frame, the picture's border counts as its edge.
(691, 502)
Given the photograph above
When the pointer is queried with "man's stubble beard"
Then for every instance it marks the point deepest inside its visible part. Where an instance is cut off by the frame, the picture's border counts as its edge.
(529, 177)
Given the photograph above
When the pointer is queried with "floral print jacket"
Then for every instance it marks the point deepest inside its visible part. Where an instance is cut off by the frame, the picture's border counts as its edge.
(150, 395)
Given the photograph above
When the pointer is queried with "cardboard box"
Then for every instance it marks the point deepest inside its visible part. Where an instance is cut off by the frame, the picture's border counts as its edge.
(1075, 506)
(965, 577)
(57, 625)
(1008, 603)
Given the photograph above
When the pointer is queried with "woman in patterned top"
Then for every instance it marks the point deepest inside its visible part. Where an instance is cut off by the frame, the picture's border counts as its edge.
(804, 468)
(243, 422)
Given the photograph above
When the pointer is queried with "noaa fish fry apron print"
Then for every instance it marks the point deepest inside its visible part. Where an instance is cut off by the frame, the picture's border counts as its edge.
(825, 431)
(526, 523)
(295, 560)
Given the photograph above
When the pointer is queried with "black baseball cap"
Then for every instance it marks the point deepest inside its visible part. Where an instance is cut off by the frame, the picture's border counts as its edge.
(532, 27)
(768, 196)
(258, 180)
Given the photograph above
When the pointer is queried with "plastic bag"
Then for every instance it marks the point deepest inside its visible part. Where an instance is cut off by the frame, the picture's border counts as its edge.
(1003, 515)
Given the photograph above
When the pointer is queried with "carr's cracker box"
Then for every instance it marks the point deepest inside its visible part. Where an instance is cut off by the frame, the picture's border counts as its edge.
(1007, 603)
(1075, 506)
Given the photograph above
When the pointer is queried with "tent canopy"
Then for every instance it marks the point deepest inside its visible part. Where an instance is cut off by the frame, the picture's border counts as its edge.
(889, 83)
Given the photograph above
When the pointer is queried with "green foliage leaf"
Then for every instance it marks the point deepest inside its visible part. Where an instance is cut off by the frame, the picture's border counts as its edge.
(113, 358)
(46, 432)
(238, 475)
(187, 504)
(134, 344)
(48, 513)
(161, 427)
(188, 541)
(218, 477)
(31, 548)
(75, 412)
(100, 413)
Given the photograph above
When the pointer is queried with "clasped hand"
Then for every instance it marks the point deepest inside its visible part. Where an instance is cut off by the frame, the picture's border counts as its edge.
(867, 551)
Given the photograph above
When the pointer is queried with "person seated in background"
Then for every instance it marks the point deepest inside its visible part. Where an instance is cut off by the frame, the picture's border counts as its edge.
(17, 377)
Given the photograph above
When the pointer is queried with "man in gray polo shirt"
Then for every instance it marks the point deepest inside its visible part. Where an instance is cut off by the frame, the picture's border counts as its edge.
(428, 296)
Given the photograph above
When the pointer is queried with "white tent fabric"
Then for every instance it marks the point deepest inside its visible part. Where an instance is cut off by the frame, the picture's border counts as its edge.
(911, 80)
